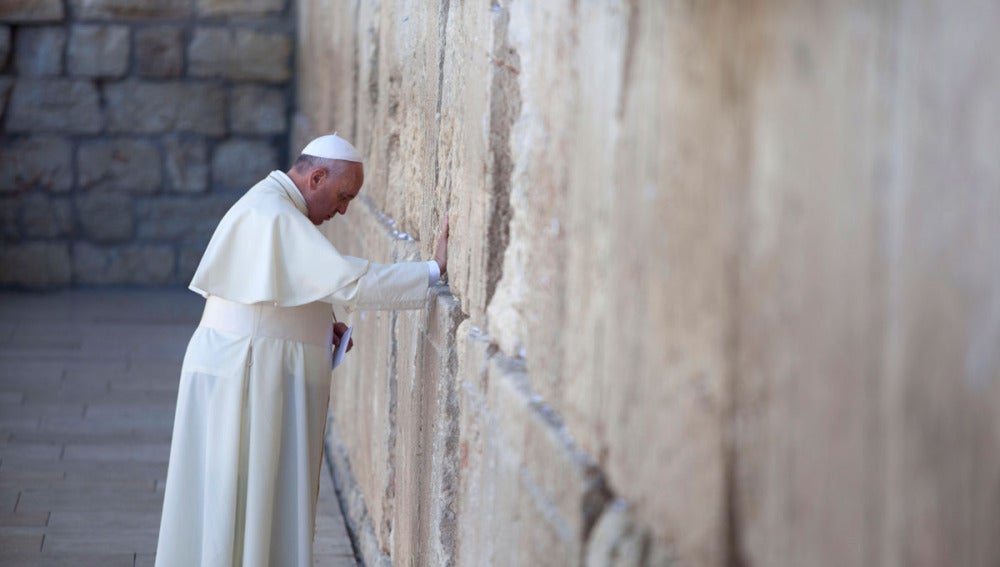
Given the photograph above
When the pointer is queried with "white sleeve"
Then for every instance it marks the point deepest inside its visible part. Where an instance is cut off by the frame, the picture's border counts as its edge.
(433, 272)
(402, 285)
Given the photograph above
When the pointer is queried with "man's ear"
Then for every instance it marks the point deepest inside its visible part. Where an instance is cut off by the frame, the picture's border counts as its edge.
(316, 177)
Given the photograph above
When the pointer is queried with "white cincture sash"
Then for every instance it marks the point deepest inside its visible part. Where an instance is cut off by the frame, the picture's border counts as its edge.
(310, 323)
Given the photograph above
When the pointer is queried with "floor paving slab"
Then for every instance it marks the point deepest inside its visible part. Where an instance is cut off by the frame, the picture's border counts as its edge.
(88, 386)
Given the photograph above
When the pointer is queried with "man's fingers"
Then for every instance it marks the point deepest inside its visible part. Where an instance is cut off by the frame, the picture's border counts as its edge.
(350, 345)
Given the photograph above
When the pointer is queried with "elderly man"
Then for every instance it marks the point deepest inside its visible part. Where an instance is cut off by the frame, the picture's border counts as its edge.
(246, 453)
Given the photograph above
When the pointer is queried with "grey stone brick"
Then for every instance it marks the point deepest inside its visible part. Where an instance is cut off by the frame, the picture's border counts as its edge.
(39, 50)
(241, 54)
(166, 107)
(191, 218)
(34, 264)
(60, 105)
(131, 264)
(9, 206)
(119, 165)
(239, 164)
(4, 46)
(6, 83)
(159, 52)
(40, 162)
(239, 7)
(186, 162)
(256, 109)
(106, 217)
(190, 257)
(98, 51)
(130, 9)
(45, 217)
(25, 11)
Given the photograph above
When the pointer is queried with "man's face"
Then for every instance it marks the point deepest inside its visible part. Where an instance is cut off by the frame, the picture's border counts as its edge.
(331, 194)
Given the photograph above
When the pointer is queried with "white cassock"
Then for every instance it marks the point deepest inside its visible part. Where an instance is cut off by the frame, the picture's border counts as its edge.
(245, 458)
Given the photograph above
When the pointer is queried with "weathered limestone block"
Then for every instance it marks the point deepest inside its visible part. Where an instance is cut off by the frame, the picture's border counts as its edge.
(106, 217)
(239, 7)
(479, 101)
(257, 109)
(618, 540)
(128, 264)
(5, 41)
(98, 51)
(372, 373)
(322, 97)
(186, 164)
(427, 439)
(60, 105)
(159, 52)
(147, 107)
(45, 217)
(240, 164)
(119, 165)
(40, 162)
(893, 397)
(190, 218)
(35, 264)
(39, 50)
(241, 54)
(130, 9)
(31, 11)
(518, 468)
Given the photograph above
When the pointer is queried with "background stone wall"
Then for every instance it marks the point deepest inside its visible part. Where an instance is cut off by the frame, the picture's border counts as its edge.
(725, 277)
(128, 127)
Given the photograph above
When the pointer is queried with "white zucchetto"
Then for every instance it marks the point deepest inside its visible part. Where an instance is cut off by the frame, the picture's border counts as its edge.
(332, 146)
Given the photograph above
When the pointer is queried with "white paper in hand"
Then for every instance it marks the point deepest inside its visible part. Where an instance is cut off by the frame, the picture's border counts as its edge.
(345, 339)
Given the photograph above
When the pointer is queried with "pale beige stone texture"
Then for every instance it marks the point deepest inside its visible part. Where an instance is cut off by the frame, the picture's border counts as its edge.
(159, 52)
(729, 272)
(31, 11)
(37, 162)
(240, 54)
(866, 394)
(35, 264)
(98, 51)
(39, 50)
(60, 105)
(139, 10)
(119, 164)
(327, 76)
(171, 106)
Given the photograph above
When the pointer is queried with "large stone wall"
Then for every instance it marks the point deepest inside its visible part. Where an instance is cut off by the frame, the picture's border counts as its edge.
(128, 127)
(724, 279)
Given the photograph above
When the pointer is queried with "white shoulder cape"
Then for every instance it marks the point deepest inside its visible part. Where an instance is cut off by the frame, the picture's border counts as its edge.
(265, 249)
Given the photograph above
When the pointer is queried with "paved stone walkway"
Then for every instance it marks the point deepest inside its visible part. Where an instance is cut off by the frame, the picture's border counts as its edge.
(88, 383)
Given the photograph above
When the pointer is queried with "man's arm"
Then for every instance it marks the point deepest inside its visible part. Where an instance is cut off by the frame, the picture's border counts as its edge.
(402, 285)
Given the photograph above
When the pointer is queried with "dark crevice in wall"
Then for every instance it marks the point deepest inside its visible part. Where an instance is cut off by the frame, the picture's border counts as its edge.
(505, 106)
(442, 51)
(389, 499)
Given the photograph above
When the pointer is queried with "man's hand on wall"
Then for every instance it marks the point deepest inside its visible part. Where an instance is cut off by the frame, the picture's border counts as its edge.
(338, 331)
(441, 253)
